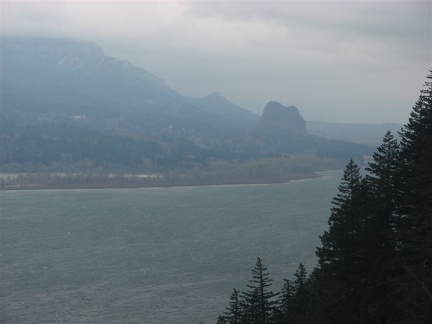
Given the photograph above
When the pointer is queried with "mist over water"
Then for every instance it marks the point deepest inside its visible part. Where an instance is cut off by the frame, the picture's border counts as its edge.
(156, 255)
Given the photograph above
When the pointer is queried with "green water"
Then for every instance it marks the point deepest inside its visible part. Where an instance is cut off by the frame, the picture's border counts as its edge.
(155, 255)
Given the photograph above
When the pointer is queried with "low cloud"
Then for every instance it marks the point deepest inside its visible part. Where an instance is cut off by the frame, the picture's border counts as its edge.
(348, 60)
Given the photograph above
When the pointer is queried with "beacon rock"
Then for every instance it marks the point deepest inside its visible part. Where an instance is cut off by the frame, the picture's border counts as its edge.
(280, 120)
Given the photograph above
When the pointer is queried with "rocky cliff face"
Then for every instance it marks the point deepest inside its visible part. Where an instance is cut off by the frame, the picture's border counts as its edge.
(280, 120)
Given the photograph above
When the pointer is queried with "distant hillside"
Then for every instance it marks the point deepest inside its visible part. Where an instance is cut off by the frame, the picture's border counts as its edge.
(68, 81)
(216, 105)
(371, 134)
(65, 148)
(62, 71)
(65, 105)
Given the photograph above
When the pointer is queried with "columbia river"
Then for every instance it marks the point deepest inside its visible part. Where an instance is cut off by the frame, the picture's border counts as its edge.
(152, 255)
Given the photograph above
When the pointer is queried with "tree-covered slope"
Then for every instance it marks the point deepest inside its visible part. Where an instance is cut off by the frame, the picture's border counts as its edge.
(60, 147)
(375, 259)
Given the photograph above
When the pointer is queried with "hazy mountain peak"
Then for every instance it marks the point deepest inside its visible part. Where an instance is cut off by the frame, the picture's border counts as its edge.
(216, 94)
(216, 104)
(216, 97)
(51, 51)
(64, 69)
(279, 120)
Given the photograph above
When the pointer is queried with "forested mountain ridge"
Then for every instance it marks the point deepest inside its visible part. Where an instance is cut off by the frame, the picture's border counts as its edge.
(52, 147)
(375, 260)
(52, 84)
(61, 70)
(71, 81)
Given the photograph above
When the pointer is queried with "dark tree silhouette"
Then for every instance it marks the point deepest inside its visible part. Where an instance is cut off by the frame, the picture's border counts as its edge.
(258, 301)
(285, 311)
(415, 210)
(234, 312)
(301, 294)
(383, 181)
(375, 262)
(342, 257)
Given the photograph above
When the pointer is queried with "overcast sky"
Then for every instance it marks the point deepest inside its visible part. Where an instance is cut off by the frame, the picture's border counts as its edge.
(345, 61)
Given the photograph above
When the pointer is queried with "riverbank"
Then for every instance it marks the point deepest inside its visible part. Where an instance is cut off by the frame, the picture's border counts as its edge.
(44, 182)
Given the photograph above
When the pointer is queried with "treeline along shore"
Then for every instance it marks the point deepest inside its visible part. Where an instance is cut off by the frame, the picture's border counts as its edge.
(214, 172)
(33, 181)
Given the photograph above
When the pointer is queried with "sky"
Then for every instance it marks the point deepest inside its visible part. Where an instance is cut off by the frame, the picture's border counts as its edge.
(339, 61)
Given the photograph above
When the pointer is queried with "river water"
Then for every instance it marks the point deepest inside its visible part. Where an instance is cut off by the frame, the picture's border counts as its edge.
(152, 255)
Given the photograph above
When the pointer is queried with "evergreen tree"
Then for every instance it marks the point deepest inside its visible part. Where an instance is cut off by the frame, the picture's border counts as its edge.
(342, 257)
(221, 320)
(258, 302)
(384, 172)
(285, 310)
(317, 311)
(415, 210)
(293, 300)
(383, 181)
(234, 312)
(375, 263)
(301, 294)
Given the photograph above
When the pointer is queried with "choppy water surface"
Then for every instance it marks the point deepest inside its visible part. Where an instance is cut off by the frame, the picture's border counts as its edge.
(156, 255)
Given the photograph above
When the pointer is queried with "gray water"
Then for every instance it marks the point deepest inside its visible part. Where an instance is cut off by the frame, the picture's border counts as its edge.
(154, 255)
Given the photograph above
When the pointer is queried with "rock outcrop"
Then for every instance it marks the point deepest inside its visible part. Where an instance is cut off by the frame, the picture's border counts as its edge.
(280, 120)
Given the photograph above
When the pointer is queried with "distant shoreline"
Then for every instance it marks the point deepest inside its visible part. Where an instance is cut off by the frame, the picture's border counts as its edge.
(136, 185)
